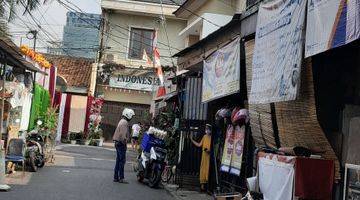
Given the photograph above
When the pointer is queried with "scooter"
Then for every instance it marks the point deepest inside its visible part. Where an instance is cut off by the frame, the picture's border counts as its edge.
(152, 164)
(35, 150)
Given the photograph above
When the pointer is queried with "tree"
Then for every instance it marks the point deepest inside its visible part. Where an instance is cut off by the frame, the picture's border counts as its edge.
(8, 10)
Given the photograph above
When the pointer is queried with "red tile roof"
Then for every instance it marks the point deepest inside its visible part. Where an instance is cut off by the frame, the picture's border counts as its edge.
(76, 71)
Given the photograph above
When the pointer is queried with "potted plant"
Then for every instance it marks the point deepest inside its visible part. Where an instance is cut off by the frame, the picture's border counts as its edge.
(80, 138)
(87, 140)
(95, 132)
(72, 137)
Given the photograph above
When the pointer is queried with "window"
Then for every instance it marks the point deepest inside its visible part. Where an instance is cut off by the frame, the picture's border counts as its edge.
(140, 39)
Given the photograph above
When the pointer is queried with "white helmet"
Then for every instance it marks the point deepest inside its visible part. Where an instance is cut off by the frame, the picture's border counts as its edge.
(128, 113)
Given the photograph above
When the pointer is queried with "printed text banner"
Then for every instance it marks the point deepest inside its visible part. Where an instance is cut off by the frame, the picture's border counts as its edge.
(221, 72)
(330, 24)
(278, 51)
(143, 83)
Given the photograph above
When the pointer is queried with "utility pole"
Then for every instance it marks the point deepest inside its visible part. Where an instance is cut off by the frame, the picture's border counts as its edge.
(32, 35)
(102, 28)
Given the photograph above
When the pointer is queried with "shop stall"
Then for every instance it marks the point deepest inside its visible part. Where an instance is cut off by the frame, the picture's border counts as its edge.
(16, 93)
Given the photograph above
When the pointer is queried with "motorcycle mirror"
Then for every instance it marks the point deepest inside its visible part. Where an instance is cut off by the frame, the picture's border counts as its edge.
(39, 122)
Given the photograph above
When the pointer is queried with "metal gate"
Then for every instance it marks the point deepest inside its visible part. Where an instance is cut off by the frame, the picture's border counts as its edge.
(193, 123)
(111, 114)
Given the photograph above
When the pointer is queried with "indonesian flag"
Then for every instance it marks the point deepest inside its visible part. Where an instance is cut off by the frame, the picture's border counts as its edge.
(147, 59)
(161, 90)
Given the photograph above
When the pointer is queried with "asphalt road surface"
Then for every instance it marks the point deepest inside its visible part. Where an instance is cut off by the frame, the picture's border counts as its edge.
(81, 172)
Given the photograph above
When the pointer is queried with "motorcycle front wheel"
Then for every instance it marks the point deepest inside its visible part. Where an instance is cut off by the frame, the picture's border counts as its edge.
(41, 162)
(155, 176)
(140, 176)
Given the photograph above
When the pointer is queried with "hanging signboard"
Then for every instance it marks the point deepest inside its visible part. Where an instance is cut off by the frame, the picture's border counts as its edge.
(330, 24)
(144, 83)
(221, 72)
(228, 149)
(239, 136)
(278, 51)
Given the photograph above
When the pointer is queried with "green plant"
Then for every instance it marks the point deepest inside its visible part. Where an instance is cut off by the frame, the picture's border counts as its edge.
(95, 132)
(79, 135)
(72, 136)
(93, 143)
(49, 124)
(65, 140)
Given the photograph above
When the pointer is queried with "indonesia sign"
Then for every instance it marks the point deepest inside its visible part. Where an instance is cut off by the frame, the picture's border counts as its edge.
(221, 72)
(278, 51)
(330, 24)
(144, 83)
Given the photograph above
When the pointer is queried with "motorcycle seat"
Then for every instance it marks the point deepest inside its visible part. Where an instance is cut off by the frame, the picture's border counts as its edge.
(14, 158)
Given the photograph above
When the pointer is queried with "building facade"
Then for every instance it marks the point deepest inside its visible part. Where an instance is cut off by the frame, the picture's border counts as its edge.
(312, 120)
(204, 17)
(126, 76)
(81, 35)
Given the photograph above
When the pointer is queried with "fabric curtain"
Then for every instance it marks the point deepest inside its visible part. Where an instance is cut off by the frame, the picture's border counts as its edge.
(61, 98)
(314, 178)
(40, 104)
(25, 112)
(276, 179)
(66, 116)
(52, 83)
(77, 113)
(88, 112)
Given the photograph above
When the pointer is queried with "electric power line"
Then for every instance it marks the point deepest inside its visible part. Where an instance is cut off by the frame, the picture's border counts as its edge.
(108, 34)
(121, 27)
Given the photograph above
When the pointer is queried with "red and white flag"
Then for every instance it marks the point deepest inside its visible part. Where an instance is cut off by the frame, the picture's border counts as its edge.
(161, 90)
(147, 59)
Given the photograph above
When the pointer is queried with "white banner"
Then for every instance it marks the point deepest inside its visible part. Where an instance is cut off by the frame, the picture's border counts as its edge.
(278, 51)
(330, 24)
(221, 72)
(144, 83)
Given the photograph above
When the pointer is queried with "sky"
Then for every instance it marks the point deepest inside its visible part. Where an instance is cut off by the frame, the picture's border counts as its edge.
(52, 17)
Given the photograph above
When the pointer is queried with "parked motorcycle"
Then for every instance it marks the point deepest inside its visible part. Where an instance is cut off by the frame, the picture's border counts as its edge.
(152, 163)
(35, 150)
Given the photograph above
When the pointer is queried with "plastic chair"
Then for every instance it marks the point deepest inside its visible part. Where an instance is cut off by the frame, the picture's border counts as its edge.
(16, 152)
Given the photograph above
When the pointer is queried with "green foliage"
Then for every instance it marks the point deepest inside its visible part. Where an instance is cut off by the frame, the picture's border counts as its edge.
(11, 6)
(165, 121)
(72, 136)
(95, 132)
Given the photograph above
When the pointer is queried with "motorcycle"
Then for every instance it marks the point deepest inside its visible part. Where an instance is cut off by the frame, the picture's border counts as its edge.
(151, 164)
(35, 150)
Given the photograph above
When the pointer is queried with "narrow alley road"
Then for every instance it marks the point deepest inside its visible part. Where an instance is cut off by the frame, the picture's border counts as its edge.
(81, 172)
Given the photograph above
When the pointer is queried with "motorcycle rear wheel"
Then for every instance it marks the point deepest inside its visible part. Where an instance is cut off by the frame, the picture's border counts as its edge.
(155, 177)
(32, 162)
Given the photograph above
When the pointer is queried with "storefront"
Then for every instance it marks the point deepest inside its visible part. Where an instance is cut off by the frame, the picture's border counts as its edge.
(122, 87)
(16, 96)
(316, 108)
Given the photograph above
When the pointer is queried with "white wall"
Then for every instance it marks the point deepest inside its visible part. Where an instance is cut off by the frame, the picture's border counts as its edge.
(217, 19)
(118, 39)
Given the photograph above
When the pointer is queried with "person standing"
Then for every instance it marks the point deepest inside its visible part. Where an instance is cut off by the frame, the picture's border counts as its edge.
(120, 140)
(205, 144)
(136, 128)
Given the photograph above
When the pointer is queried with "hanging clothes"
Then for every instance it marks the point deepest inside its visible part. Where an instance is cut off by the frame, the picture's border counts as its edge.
(25, 112)
(276, 178)
(40, 104)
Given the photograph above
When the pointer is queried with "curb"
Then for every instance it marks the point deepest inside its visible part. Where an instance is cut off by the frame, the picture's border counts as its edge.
(172, 193)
